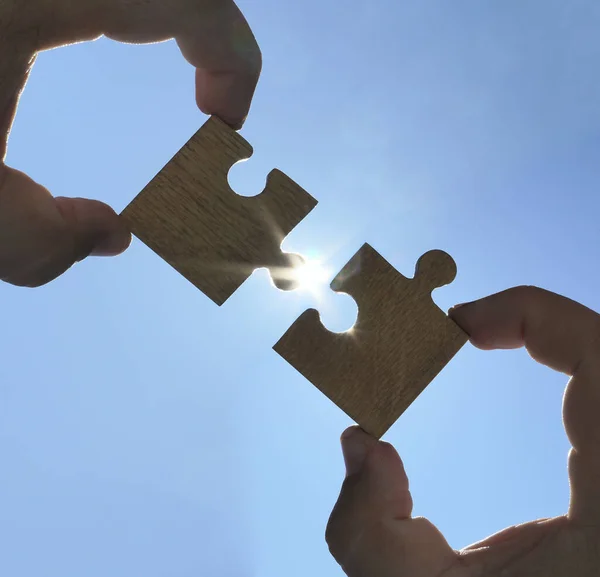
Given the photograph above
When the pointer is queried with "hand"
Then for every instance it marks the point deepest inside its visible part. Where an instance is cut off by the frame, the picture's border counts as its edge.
(42, 236)
(371, 532)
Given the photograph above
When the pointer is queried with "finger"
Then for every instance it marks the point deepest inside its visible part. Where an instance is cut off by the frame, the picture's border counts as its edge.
(228, 64)
(96, 229)
(565, 336)
(41, 236)
(370, 531)
(557, 331)
(15, 67)
(213, 36)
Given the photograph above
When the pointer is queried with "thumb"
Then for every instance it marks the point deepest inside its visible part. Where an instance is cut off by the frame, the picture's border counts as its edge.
(42, 236)
(370, 532)
(87, 228)
(42, 245)
(95, 227)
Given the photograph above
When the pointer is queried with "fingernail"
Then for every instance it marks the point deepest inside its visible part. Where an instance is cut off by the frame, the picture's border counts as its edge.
(356, 445)
(112, 244)
(459, 306)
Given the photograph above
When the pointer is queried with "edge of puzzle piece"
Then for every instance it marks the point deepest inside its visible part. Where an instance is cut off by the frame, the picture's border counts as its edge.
(189, 215)
(401, 340)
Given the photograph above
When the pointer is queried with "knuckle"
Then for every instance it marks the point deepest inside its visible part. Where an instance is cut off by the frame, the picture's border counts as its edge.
(344, 521)
(353, 540)
(337, 531)
(341, 537)
(331, 536)
(355, 525)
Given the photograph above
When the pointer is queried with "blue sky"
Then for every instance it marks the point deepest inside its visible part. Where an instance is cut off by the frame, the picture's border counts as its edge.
(145, 431)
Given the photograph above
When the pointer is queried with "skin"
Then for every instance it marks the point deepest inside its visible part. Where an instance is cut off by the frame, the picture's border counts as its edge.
(42, 236)
(371, 532)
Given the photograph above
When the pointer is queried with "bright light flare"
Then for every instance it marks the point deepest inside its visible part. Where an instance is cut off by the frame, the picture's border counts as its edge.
(312, 276)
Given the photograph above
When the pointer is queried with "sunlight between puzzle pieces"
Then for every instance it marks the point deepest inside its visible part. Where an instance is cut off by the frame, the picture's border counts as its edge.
(189, 215)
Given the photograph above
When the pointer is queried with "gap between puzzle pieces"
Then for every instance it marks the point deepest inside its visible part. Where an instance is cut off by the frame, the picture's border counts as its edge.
(189, 215)
(399, 344)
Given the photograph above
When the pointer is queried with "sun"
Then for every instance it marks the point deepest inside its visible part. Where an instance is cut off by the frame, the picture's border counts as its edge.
(303, 273)
(311, 276)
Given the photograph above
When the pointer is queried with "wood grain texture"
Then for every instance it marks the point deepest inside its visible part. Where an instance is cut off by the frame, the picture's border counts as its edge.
(189, 215)
(400, 342)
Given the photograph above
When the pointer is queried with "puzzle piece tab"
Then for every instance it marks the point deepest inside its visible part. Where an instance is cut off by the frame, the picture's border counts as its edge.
(400, 342)
(189, 215)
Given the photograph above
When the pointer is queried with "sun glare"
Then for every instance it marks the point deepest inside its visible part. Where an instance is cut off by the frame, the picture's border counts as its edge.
(312, 276)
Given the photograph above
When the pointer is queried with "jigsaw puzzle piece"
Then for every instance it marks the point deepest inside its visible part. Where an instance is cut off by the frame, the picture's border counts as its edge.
(189, 215)
(400, 342)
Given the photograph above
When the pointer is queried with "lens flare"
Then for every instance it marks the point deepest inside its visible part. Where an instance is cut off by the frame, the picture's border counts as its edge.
(312, 276)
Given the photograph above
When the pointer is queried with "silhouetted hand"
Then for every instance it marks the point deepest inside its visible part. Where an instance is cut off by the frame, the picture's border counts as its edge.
(42, 236)
(371, 532)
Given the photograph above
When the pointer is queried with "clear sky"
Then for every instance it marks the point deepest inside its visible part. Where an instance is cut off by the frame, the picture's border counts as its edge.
(146, 431)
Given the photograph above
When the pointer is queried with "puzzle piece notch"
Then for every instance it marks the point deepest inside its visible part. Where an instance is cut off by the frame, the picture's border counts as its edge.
(189, 215)
(400, 343)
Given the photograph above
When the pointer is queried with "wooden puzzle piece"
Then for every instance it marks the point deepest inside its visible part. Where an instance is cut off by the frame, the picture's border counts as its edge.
(189, 215)
(400, 342)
